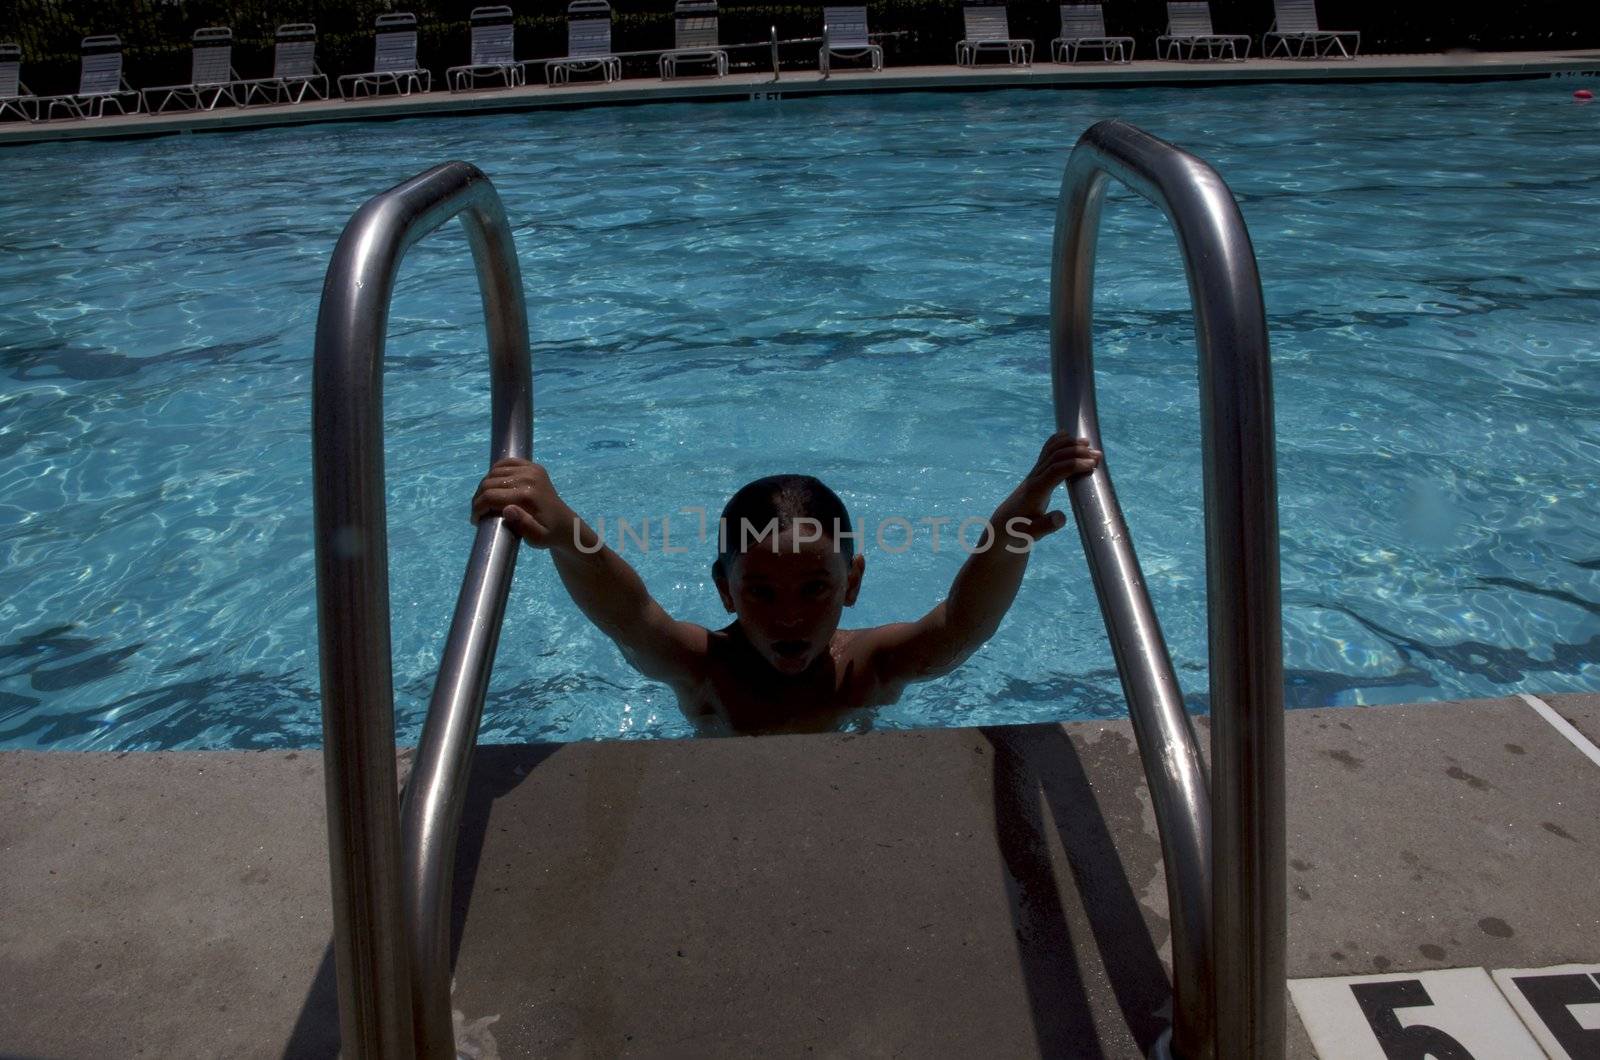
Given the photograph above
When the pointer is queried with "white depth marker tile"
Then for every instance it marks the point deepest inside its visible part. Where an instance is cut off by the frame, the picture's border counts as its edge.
(1561, 1005)
(1453, 1014)
(1563, 726)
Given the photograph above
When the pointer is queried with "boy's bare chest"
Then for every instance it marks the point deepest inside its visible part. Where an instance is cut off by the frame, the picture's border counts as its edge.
(745, 702)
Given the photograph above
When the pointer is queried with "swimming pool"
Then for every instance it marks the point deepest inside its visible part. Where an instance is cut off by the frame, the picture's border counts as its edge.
(852, 287)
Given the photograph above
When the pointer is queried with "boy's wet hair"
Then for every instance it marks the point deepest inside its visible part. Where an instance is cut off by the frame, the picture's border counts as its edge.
(785, 498)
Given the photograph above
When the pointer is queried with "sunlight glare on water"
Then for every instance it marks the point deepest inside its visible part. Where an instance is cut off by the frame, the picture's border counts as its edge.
(851, 287)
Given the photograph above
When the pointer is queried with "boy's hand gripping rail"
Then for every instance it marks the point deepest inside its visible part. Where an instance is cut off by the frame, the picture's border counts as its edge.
(1224, 861)
(391, 899)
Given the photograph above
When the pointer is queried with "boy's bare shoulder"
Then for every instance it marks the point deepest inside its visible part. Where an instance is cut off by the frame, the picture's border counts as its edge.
(900, 653)
(871, 653)
(871, 643)
(667, 650)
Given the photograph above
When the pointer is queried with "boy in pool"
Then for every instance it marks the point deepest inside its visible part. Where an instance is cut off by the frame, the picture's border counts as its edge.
(786, 568)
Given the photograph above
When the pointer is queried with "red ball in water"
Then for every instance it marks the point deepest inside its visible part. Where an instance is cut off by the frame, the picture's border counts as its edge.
(1583, 94)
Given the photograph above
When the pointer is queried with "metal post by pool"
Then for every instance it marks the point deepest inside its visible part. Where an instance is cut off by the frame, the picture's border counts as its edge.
(1224, 861)
(392, 966)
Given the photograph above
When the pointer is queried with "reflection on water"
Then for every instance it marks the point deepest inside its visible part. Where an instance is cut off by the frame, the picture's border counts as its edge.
(856, 288)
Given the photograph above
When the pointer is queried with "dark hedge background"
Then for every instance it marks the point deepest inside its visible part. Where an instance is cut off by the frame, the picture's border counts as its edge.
(155, 33)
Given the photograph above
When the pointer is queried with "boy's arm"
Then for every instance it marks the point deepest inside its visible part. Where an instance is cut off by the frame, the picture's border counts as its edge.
(987, 583)
(606, 589)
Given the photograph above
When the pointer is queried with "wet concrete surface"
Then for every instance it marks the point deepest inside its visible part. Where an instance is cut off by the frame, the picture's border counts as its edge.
(946, 892)
(1583, 711)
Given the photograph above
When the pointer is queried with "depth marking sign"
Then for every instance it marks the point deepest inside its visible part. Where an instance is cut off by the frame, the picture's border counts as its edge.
(1453, 1014)
(1560, 1005)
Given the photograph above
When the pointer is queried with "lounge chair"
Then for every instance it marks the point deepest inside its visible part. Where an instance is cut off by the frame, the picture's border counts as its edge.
(588, 44)
(694, 38)
(1294, 27)
(295, 74)
(492, 52)
(394, 60)
(211, 75)
(987, 31)
(1189, 29)
(14, 95)
(1083, 26)
(844, 36)
(100, 83)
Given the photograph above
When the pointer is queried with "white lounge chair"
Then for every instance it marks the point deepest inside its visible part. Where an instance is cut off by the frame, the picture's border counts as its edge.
(694, 38)
(844, 36)
(100, 83)
(987, 31)
(14, 95)
(1083, 27)
(295, 74)
(588, 44)
(1294, 28)
(394, 60)
(211, 75)
(492, 52)
(1189, 30)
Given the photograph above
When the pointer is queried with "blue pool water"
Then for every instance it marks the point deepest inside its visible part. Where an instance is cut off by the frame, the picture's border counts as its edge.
(855, 288)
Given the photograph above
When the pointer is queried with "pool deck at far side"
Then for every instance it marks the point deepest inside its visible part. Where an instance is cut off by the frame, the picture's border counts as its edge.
(1454, 66)
(959, 892)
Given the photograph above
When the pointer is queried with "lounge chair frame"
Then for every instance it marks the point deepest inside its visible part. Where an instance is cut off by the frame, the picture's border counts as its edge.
(694, 39)
(1189, 31)
(100, 82)
(492, 52)
(588, 45)
(212, 77)
(295, 73)
(1295, 28)
(988, 31)
(15, 97)
(844, 36)
(1083, 27)
(394, 60)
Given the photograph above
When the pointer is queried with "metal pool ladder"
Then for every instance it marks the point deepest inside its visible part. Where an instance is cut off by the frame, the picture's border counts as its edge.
(1224, 853)
(391, 893)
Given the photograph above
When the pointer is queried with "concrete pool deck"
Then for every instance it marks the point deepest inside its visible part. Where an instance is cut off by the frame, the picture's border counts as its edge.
(994, 892)
(760, 85)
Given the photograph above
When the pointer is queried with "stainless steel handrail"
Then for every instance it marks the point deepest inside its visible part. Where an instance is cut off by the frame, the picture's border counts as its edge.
(391, 941)
(1225, 860)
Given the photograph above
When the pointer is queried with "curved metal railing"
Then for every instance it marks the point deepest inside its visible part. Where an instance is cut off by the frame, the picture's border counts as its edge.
(391, 897)
(1225, 860)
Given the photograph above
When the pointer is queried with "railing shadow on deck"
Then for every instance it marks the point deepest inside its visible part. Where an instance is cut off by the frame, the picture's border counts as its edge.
(497, 770)
(1037, 763)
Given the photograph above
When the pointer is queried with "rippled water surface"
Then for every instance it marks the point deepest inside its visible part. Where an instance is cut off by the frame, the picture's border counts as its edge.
(855, 288)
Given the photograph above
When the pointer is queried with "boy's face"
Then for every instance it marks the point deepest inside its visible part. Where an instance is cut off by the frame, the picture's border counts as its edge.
(789, 600)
